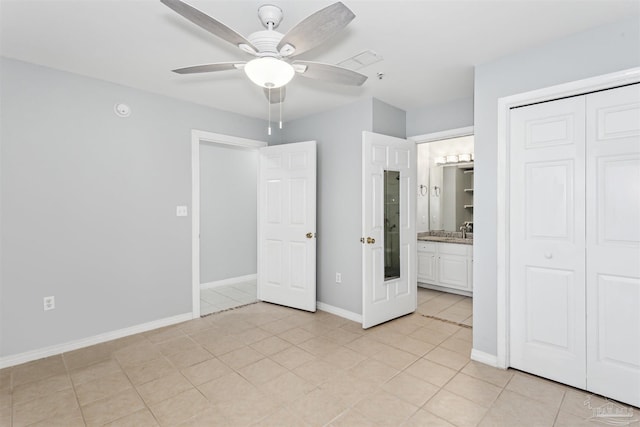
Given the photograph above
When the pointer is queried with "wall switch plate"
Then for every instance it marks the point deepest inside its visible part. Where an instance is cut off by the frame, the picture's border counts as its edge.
(338, 277)
(49, 303)
(181, 211)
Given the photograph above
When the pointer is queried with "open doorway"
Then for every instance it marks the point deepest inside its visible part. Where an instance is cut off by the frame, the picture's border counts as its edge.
(228, 226)
(445, 203)
(224, 222)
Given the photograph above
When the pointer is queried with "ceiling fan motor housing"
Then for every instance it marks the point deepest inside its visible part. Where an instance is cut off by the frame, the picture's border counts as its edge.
(266, 42)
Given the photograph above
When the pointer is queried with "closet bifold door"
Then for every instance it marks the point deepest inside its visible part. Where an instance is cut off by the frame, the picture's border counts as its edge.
(547, 247)
(613, 243)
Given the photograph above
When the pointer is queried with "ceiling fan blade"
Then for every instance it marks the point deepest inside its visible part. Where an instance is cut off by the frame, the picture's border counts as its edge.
(277, 94)
(210, 24)
(315, 29)
(329, 73)
(208, 68)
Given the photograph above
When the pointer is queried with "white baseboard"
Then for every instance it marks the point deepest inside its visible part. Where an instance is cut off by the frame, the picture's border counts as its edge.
(40, 353)
(230, 281)
(339, 312)
(486, 358)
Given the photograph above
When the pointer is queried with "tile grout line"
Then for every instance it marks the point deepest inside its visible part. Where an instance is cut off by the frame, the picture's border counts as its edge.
(135, 389)
(228, 309)
(462, 325)
(555, 419)
(497, 397)
(73, 387)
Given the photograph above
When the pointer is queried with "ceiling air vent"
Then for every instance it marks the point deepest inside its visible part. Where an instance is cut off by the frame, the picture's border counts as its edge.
(361, 60)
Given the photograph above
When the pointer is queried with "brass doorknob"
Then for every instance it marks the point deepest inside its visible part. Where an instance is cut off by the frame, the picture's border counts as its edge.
(309, 235)
(371, 240)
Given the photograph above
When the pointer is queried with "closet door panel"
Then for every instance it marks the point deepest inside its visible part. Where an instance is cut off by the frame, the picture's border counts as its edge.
(547, 294)
(613, 243)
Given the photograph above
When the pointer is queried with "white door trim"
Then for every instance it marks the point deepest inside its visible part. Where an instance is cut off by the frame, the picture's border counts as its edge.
(445, 134)
(198, 136)
(578, 87)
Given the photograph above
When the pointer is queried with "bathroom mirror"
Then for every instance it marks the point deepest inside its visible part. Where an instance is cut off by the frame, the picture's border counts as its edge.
(391, 225)
(445, 184)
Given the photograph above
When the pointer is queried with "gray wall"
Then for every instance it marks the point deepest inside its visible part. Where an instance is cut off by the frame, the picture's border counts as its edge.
(598, 51)
(436, 118)
(228, 212)
(389, 120)
(339, 137)
(88, 204)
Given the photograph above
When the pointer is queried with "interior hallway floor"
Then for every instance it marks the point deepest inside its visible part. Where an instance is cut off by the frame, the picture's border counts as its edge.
(267, 365)
(220, 298)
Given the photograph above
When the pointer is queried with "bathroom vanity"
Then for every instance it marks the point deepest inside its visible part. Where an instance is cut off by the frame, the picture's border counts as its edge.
(445, 262)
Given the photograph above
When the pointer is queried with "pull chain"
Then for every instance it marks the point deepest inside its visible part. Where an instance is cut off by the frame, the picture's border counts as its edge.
(280, 107)
(269, 128)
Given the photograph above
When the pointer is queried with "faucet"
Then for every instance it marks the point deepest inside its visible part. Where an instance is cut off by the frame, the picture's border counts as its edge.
(466, 228)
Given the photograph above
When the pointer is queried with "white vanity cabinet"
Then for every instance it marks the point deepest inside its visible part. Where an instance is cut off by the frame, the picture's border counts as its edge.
(427, 253)
(445, 266)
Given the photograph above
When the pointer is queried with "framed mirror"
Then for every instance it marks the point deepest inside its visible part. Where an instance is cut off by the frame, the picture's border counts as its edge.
(391, 225)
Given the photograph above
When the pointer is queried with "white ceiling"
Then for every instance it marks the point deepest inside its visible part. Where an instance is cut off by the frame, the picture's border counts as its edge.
(429, 47)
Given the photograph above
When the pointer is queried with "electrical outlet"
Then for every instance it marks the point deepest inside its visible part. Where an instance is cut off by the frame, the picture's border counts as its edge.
(338, 277)
(181, 211)
(49, 303)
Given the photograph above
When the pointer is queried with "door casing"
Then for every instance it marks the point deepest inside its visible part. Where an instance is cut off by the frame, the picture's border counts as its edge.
(197, 137)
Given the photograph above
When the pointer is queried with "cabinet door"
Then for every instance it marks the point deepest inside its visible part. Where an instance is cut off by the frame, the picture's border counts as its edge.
(427, 267)
(453, 271)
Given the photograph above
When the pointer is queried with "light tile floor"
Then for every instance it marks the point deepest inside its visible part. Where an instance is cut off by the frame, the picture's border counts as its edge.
(267, 365)
(441, 305)
(222, 298)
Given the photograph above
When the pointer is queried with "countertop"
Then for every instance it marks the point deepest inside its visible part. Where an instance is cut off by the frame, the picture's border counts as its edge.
(446, 237)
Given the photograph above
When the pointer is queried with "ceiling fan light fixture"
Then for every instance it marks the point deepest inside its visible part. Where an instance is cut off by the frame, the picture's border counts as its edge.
(269, 72)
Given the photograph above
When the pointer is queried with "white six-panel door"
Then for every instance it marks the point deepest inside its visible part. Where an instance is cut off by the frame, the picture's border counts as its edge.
(575, 241)
(383, 300)
(547, 264)
(287, 225)
(613, 243)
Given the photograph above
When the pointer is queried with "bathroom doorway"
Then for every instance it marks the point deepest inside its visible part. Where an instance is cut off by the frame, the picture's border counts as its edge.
(445, 205)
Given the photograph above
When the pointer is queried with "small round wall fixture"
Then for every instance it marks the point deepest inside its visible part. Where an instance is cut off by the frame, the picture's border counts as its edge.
(122, 110)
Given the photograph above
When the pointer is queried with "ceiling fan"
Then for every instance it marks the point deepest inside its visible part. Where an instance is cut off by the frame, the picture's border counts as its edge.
(274, 64)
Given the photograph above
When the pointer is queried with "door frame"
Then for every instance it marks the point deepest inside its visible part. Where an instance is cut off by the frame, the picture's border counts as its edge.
(442, 135)
(198, 137)
(574, 88)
